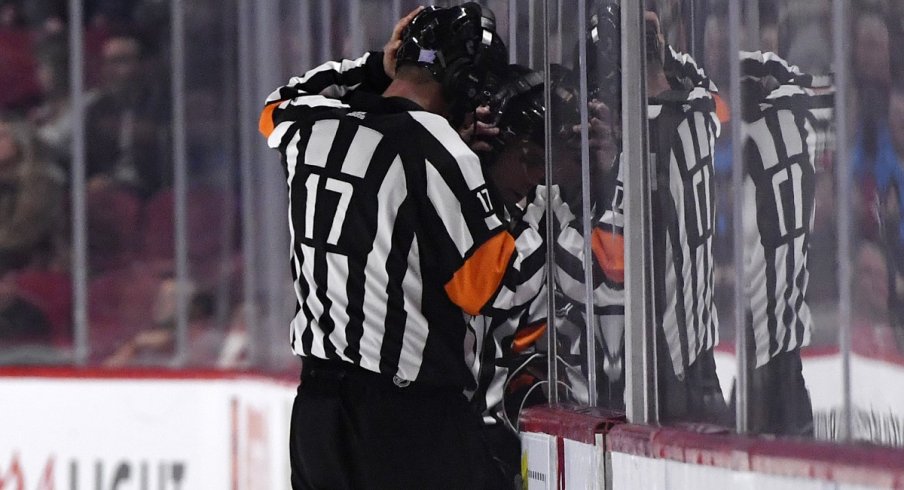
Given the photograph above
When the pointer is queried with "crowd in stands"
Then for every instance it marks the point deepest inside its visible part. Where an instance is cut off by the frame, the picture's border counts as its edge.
(132, 285)
(877, 162)
(800, 32)
(129, 170)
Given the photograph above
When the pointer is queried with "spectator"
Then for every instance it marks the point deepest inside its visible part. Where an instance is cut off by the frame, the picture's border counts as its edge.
(121, 305)
(52, 117)
(17, 76)
(50, 289)
(44, 13)
(872, 155)
(20, 321)
(890, 207)
(110, 12)
(134, 298)
(10, 14)
(155, 345)
(804, 35)
(207, 128)
(871, 50)
(24, 329)
(30, 195)
(113, 238)
(212, 262)
(871, 313)
(127, 125)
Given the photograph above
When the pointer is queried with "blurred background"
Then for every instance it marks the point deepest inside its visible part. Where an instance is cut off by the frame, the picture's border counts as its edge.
(142, 217)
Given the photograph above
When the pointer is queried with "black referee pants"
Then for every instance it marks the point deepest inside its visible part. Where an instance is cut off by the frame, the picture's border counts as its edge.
(779, 401)
(696, 396)
(354, 429)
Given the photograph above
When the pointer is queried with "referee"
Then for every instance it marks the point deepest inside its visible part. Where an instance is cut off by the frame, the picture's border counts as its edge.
(395, 245)
(511, 151)
(785, 118)
(683, 128)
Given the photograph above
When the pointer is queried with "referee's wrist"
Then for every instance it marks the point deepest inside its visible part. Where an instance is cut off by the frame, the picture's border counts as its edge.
(376, 79)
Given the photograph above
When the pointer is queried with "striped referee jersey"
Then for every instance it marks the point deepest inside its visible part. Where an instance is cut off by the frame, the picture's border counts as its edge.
(608, 260)
(395, 240)
(683, 129)
(786, 127)
(497, 339)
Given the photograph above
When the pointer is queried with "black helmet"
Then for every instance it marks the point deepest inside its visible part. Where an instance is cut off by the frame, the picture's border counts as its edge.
(604, 54)
(459, 46)
(520, 104)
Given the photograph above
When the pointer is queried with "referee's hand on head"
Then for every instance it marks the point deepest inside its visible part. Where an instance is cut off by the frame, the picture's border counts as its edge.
(392, 46)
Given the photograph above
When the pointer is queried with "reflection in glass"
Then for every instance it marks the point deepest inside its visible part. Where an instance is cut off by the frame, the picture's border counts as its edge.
(682, 128)
(129, 172)
(34, 293)
(786, 116)
(35, 153)
(509, 364)
(876, 163)
(785, 150)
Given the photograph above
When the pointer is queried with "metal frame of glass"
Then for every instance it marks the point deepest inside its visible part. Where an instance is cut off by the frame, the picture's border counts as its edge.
(264, 239)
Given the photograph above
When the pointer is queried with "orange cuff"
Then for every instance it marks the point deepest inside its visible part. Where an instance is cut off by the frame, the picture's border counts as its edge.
(723, 110)
(609, 250)
(527, 337)
(477, 280)
(265, 124)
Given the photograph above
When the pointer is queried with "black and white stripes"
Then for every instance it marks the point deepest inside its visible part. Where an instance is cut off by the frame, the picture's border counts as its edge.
(784, 135)
(683, 129)
(684, 218)
(393, 235)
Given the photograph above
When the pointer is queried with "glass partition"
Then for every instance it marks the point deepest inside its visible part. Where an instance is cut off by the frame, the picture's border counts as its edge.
(212, 219)
(782, 154)
(722, 188)
(586, 317)
(874, 163)
(566, 346)
(607, 202)
(129, 171)
(683, 243)
(36, 325)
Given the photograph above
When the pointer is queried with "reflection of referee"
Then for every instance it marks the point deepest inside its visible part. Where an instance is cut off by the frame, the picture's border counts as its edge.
(683, 127)
(513, 161)
(395, 241)
(784, 117)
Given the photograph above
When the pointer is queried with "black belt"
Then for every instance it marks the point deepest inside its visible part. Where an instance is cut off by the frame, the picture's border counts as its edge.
(314, 368)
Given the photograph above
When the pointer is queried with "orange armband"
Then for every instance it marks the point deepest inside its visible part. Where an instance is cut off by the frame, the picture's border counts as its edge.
(526, 337)
(609, 250)
(265, 124)
(478, 279)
